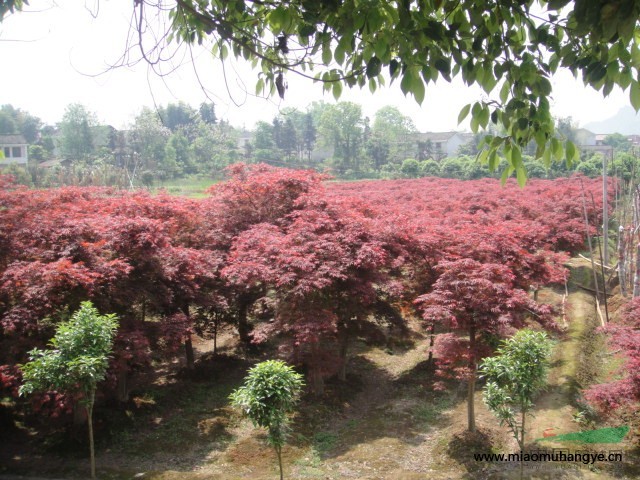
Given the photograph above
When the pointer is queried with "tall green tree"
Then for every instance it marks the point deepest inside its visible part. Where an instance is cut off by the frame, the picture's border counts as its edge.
(76, 363)
(341, 127)
(269, 394)
(14, 120)
(77, 141)
(309, 135)
(207, 113)
(264, 146)
(147, 143)
(178, 115)
(392, 129)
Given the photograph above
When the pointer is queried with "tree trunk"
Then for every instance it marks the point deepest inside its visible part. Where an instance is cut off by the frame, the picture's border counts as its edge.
(621, 262)
(316, 382)
(471, 387)
(216, 323)
(244, 328)
(123, 386)
(605, 212)
(521, 442)
(636, 280)
(188, 344)
(344, 350)
(92, 453)
(432, 341)
(279, 453)
(188, 350)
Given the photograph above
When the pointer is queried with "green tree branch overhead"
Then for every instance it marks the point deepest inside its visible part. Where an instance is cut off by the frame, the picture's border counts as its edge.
(509, 48)
(76, 363)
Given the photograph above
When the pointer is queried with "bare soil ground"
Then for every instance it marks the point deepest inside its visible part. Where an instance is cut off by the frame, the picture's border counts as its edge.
(385, 422)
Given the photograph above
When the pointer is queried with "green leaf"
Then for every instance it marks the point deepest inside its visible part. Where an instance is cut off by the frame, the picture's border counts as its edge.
(260, 86)
(463, 113)
(634, 94)
(406, 82)
(504, 91)
(337, 90)
(474, 124)
(393, 67)
(572, 153)
(374, 66)
(338, 54)
(483, 117)
(326, 53)
(372, 85)
(546, 157)
(488, 81)
(556, 148)
(505, 176)
(521, 175)
(482, 156)
(417, 87)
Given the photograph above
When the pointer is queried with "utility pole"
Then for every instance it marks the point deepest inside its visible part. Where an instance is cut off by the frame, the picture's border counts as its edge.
(605, 210)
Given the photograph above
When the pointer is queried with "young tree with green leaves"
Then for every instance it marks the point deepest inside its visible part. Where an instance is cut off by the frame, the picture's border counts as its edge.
(514, 377)
(77, 362)
(268, 396)
(77, 133)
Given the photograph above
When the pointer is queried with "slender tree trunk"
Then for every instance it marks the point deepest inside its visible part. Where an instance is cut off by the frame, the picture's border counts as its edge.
(279, 453)
(622, 277)
(521, 442)
(344, 351)
(432, 341)
(188, 350)
(216, 323)
(123, 386)
(605, 211)
(92, 453)
(316, 381)
(636, 280)
(471, 387)
(243, 324)
(188, 344)
(591, 254)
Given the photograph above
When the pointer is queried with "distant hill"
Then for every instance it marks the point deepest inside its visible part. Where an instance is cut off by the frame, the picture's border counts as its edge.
(626, 122)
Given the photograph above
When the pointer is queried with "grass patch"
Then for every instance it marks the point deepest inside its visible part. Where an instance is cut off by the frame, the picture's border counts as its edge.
(193, 187)
(324, 442)
(428, 414)
(175, 417)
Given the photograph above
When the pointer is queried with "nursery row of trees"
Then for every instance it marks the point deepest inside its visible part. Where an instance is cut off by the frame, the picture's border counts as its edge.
(289, 262)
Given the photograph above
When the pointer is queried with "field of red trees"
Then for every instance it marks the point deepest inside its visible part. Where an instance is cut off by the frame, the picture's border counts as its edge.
(292, 263)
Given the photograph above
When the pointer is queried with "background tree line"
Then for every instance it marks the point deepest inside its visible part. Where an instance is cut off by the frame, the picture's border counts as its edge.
(177, 141)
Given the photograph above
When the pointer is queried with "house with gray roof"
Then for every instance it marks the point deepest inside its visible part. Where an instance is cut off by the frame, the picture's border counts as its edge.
(436, 145)
(15, 149)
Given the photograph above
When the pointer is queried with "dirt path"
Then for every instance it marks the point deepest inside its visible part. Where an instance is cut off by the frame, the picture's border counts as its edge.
(554, 408)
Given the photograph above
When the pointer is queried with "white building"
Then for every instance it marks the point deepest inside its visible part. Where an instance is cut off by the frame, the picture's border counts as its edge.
(14, 148)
